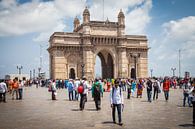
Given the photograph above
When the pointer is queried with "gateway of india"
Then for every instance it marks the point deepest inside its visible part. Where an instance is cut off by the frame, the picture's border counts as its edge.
(73, 55)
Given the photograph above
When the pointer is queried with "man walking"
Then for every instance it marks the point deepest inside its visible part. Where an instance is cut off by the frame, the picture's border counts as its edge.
(3, 90)
(149, 90)
(15, 86)
(70, 89)
(166, 86)
(156, 89)
(117, 101)
(97, 92)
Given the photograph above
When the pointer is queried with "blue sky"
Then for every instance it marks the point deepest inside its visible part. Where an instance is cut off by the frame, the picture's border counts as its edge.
(27, 24)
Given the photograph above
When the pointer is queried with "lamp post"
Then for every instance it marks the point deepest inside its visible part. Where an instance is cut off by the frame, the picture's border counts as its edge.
(30, 74)
(179, 63)
(173, 69)
(39, 69)
(19, 69)
(33, 73)
(151, 70)
(82, 66)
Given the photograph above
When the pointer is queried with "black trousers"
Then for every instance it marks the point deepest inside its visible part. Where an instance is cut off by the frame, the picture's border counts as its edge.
(82, 101)
(3, 97)
(119, 107)
(128, 93)
(53, 96)
(20, 91)
(97, 102)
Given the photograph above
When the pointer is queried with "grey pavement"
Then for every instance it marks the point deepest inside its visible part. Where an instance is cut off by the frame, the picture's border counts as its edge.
(38, 111)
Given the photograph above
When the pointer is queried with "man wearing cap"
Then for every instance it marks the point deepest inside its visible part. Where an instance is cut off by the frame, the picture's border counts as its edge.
(117, 101)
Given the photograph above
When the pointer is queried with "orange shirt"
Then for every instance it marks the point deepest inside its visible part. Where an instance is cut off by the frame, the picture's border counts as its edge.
(15, 85)
(166, 85)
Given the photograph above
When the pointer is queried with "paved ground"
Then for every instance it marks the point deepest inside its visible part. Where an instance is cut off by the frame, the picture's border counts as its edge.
(38, 111)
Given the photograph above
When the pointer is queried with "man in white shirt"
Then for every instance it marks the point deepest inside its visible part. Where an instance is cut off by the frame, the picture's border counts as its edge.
(3, 90)
(117, 101)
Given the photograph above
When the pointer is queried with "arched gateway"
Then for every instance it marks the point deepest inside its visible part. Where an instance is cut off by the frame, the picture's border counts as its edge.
(73, 54)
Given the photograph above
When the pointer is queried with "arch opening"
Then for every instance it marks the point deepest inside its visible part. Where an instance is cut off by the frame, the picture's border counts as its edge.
(105, 64)
(72, 73)
(133, 73)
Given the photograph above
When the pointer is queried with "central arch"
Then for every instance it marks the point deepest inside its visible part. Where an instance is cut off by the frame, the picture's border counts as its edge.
(107, 64)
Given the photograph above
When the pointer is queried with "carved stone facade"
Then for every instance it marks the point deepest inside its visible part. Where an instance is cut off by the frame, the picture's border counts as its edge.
(121, 55)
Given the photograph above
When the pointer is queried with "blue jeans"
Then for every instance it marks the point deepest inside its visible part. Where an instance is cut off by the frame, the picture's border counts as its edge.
(70, 95)
(166, 95)
(20, 93)
(149, 94)
(186, 96)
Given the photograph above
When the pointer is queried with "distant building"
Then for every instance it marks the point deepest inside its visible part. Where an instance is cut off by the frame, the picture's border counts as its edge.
(17, 76)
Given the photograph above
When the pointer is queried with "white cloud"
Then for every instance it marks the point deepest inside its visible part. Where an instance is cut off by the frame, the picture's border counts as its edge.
(136, 19)
(46, 17)
(36, 16)
(176, 34)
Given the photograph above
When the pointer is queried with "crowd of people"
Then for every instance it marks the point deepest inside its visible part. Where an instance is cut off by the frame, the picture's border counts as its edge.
(117, 87)
(79, 89)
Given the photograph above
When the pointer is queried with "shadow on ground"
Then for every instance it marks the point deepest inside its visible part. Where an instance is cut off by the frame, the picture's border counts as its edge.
(187, 125)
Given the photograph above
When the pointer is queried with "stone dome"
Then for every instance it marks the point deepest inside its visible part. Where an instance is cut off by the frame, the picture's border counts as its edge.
(121, 14)
(86, 11)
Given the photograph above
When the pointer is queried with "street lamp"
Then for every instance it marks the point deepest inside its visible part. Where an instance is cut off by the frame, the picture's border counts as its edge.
(39, 69)
(19, 69)
(33, 73)
(30, 74)
(151, 70)
(82, 66)
(173, 69)
(179, 63)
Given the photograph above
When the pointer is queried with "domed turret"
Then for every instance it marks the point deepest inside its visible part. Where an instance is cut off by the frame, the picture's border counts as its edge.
(76, 23)
(121, 18)
(86, 16)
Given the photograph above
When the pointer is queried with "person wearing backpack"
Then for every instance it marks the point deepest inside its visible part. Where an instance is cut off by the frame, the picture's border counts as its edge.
(156, 89)
(149, 90)
(117, 101)
(70, 89)
(97, 92)
(83, 94)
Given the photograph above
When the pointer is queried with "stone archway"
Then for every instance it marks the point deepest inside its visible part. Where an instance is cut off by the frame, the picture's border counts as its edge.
(107, 64)
(97, 38)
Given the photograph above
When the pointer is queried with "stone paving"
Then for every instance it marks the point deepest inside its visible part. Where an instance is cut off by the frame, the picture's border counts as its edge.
(38, 111)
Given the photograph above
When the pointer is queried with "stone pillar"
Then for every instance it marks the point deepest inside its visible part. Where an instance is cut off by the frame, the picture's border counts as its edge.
(122, 63)
(88, 60)
(58, 65)
(143, 65)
